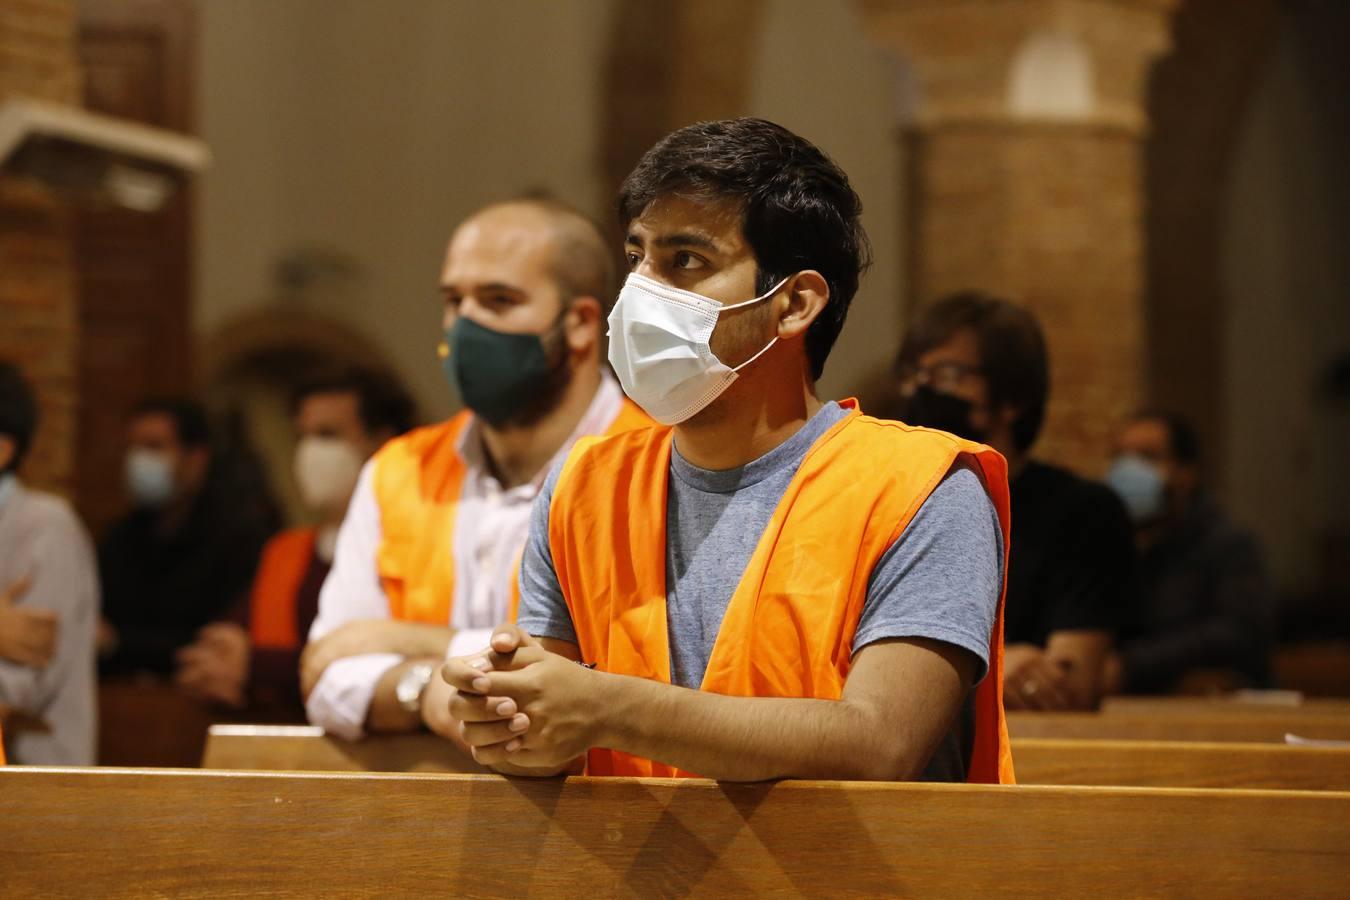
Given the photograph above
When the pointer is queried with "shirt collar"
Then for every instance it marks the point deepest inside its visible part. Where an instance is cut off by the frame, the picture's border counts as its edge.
(603, 409)
(9, 486)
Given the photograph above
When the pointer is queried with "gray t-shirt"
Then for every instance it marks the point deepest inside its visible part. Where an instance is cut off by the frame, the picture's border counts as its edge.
(941, 580)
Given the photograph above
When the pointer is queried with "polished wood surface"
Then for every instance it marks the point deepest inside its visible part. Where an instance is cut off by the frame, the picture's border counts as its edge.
(305, 748)
(113, 833)
(1175, 764)
(1267, 703)
(1222, 726)
(1038, 761)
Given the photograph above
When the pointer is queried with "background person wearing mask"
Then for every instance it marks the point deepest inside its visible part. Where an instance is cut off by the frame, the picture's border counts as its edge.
(186, 552)
(1203, 607)
(977, 366)
(48, 605)
(341, 418)
(429, 550)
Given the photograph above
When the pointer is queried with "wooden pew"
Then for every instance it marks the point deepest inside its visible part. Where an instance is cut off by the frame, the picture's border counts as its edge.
(1121, 763)
(1268, 703)
(1222, 726)
(1177, 764)
(114, 833)
(305, 748)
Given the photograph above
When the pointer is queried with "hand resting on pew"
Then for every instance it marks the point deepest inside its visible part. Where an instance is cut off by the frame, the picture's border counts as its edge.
(527, 708)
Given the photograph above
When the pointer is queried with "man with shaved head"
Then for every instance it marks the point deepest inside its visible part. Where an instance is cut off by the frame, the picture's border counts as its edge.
(427, 556)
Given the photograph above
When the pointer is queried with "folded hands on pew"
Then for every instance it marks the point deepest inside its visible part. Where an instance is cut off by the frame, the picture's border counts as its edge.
(215, 667)
(490, 710)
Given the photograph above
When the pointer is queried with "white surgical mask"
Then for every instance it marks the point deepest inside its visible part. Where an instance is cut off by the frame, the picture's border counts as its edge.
(1140, 485)
(326, 470)
(658, 346)
(149, 477)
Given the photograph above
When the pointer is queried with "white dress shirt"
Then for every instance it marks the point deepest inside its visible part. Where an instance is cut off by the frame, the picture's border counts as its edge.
(491, 525)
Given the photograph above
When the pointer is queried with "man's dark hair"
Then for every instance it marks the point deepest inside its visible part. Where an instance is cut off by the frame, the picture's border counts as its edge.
(381, 403)
(797, 208)
(190, 422)
(1013, 357)
(18, 412)
(1182, 438)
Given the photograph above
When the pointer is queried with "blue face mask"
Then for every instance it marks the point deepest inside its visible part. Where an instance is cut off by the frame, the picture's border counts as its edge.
(1140, 485)
(149, 477)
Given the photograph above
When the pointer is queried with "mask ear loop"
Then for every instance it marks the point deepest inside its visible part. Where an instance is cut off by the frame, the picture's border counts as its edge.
(764, 296)
(757, 355)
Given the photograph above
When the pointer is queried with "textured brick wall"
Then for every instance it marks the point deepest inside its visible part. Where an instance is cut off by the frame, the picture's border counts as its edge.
(38, 313)
(1049, 216)
(37, 49)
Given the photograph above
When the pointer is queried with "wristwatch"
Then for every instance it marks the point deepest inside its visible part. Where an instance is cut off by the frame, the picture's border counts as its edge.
(412, 685)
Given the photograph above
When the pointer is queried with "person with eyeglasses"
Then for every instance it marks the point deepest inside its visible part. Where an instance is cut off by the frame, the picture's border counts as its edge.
(977, 365)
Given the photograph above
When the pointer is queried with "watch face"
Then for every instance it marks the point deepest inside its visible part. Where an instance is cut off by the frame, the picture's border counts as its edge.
(409, 689)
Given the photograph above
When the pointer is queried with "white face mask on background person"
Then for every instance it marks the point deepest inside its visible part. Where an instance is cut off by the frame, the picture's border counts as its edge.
(149, 477)
(658, 346)
(326, 471)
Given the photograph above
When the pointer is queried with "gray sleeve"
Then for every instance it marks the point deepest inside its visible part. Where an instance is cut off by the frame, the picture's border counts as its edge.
(942, 578)
(543, 609)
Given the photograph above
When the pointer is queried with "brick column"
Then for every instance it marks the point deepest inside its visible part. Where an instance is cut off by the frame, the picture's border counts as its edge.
(39, 327)
(1025, 123)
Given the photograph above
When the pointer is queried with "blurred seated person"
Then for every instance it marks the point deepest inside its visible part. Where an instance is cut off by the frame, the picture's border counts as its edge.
(48, 605)
(1203, 605)
(977, 366)
(186, 552)
(341, 418)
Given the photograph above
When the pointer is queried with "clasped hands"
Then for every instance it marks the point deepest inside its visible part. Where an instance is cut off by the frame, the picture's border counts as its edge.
(523, 709)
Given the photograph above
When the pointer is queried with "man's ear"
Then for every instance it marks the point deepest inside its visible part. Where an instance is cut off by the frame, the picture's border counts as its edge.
(582, 324)
(8, 447)
(807, 294)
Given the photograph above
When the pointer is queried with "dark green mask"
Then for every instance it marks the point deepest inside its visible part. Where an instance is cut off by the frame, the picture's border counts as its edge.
(502, 377)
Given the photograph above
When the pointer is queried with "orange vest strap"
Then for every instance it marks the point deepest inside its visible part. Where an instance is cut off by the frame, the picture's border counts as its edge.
(285, 560)
(788, 629)
(418, 482)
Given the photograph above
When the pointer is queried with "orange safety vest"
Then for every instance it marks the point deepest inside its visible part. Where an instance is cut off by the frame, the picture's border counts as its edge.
(2, 746)
(285, 560)
(788, 629)
(418, 480)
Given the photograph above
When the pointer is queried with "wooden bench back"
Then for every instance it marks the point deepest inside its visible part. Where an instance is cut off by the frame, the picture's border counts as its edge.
(1221, 726)
(1038, 761)
(1176, 764)
(114, 833)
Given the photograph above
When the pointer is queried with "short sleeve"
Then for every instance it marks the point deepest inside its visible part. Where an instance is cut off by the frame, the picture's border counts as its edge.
(943, 577)
(543, 609)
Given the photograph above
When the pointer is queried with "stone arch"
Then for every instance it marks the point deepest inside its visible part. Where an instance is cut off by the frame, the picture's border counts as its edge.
(247, 370)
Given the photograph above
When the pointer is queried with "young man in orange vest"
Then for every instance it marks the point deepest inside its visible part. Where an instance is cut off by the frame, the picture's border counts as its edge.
(342, 416)
(777, 587)
(427, 556)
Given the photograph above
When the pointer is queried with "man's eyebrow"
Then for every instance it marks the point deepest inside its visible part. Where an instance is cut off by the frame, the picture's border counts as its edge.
(682, 239)
(496, 287)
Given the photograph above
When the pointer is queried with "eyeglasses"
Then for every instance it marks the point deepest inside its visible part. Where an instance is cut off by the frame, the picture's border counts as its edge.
(943, 376)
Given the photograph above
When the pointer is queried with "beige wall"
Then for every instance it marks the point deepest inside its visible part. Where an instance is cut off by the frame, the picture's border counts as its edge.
(338, 125)
(371, 129)
(1287, 277)
(818, 74)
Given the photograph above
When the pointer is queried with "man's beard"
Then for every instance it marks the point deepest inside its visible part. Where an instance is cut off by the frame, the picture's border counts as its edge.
(549, 395)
